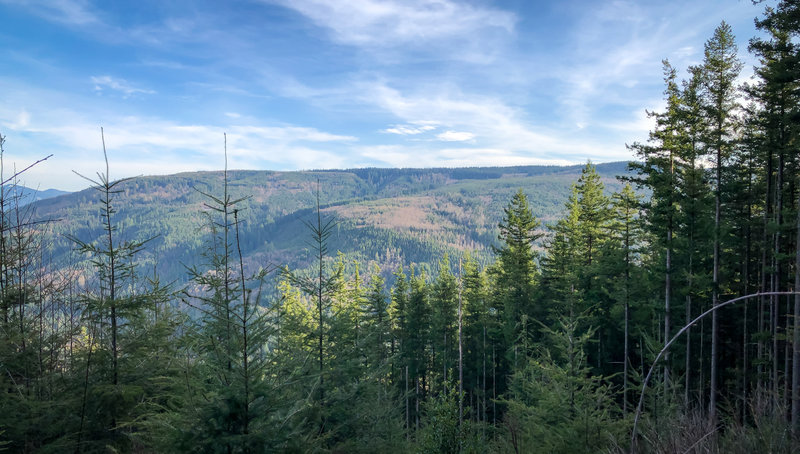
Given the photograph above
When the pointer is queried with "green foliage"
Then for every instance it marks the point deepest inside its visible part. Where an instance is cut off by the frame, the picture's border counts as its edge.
(232, 402)
(555, 404)
(517, 269)
(442, 432)
(559, 323)
(444, 322)
(377, 318)
(464, 206)
(418, 318)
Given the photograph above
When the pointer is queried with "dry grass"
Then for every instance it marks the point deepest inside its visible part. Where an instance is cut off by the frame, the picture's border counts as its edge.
(692, 434)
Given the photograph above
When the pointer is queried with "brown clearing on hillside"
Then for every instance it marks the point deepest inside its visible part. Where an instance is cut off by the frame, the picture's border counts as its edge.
(404, 213)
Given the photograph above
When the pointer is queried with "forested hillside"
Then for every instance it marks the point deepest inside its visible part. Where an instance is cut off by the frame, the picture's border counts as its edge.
(384, 216)
(554, 340)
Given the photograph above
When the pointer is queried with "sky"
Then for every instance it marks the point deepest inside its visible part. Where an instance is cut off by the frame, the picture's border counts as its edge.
(313, 84)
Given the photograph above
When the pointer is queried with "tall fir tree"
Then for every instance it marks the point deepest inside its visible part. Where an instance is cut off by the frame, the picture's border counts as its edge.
(516, 273)
(721, 67)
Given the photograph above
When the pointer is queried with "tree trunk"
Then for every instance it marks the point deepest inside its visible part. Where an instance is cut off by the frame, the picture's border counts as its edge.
(712, 401)
(764, 273)
(408, 420)
(668, 274)
(776, 277)
(460, 354)
(796, 337)
(626, 353)
(688, 379)
(667, 297)
(746, 290)
(484, 372)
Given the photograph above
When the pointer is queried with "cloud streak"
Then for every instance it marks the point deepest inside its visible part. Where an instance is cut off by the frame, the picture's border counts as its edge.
(396, 23)
(151, 145)
(101, 83)
(69, 12)
(419, 24)
(485, 124)
(409, 130)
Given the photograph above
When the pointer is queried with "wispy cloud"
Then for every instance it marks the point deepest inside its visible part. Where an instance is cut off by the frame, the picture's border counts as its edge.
(190, 29)
(616, 49)
(486, 124)
(455, 136)
(70, 12)
(414, 156)
(395, 23)
(489, 117)
(16, 120)
(291, 133)
(401, 23)
(409, 129)
(152, 145)
(101, 83)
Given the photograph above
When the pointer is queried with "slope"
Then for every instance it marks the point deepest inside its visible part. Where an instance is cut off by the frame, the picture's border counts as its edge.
(384, 216)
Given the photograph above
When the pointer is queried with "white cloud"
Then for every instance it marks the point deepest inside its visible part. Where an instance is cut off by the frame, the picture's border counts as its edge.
(493, 125)
(399, 23)
(415, 156)
(290, 133)
(117, 84)
(489, 117)
(461, 157)
(409, 130)
(151, 145)
(455, 136)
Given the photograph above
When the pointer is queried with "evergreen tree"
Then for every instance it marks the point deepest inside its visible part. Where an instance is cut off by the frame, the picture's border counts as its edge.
(110, 391)
(479, 324)
(321, 287)
(444, 302)
(377, 318)
(562, 265)
(776, 93)
(555, 403)
(516, 273)
(657, 172)
(622, 263)
(398, 312)
(694, 218)
(416, 351)
(232, 407)
(721, 67)
(593, 215)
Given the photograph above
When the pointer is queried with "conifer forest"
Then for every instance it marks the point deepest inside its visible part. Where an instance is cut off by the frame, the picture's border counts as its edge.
(656, 315)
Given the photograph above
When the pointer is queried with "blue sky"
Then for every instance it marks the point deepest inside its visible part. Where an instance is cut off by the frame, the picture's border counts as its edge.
(306, 84)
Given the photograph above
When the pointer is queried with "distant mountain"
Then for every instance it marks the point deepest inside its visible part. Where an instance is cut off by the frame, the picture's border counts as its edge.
(386, 217)
(28, 195)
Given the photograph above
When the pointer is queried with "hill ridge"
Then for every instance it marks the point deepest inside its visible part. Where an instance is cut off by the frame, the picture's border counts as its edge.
(384, 216)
